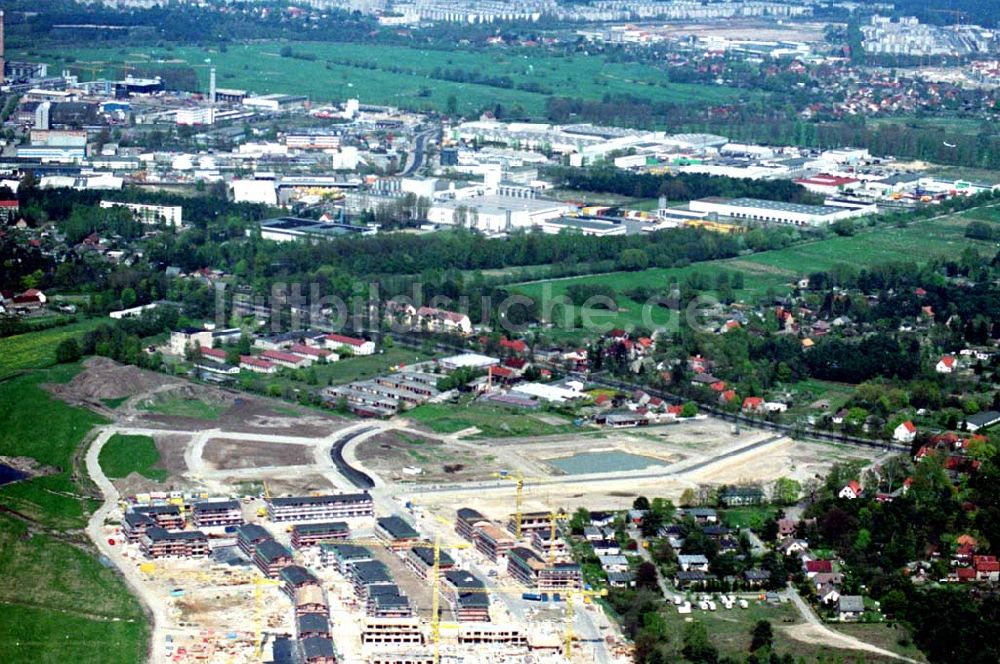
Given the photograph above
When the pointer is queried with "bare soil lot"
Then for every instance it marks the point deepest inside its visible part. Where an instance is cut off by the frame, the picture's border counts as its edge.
(102, 378)
(225, 453)
(389, 453)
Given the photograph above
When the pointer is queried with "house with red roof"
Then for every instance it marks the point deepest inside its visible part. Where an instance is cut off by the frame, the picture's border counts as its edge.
(257, 365)
(727, 397)
(29, 299)
(314, 353)
(513, 345)
(502, 374)
(962, 575)
(518, 364)
(287, 360)
(946, 364)
(851, 490)
(213, 354)
(9, 210)
(905, 432)
(827, 184)
(674, 411)
(753, 404)
(987, 568)
(718, 386)
(814, 567)
(354, 345)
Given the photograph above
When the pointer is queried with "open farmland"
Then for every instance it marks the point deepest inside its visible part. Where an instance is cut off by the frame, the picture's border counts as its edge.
(410, 77)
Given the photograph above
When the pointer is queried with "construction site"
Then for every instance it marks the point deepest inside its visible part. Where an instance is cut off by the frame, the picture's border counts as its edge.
(292, 537)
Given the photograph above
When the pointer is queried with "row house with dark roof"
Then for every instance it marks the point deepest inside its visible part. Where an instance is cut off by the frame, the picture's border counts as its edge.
(344, 556)
(466, 592)
(311, 534)
(296, 577)
(158, 542)
(421, 560)
(249, 536)
(215, 513)
(321, 508)
(270, 557)
(396, 532)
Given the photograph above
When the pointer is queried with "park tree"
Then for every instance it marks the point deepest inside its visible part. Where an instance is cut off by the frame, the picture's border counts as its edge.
(761, 636)
(786, 491)
(67, 351)
(579, 520)
(697, 647)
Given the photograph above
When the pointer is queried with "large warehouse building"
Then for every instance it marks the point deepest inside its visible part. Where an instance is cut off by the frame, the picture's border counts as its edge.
(777, 212)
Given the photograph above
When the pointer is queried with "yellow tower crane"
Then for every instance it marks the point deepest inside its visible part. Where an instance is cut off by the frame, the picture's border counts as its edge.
(259, 583)
(554, 519)
(518, 478)
(434, 577)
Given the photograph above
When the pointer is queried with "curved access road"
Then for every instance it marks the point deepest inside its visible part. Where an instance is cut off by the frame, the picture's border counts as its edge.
(814, 631)
(358, 478)
(96, 531)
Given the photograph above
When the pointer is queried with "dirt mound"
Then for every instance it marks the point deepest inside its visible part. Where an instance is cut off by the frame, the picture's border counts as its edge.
(106, 379)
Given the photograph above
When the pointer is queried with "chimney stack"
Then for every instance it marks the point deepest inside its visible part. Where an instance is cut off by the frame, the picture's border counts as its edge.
(211, 86)
(3, 62)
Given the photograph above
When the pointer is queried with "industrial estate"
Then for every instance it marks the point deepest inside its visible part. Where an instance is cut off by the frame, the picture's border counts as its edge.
(377, 332)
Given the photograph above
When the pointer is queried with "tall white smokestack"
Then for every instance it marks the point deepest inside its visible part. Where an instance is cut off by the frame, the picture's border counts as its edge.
(211, 86)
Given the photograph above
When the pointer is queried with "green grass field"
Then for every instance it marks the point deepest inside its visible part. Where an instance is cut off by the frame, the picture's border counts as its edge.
(63, 604)
(123, 455)
(917, 242)
(350, 369)
(34, 424)
(181, 407)
(748, 517)
(401, 75)
(38, 349)
(492, 421)
(729, 631)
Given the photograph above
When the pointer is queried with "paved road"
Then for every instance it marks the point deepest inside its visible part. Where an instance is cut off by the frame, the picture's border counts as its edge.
(95, 530)
(417, 154)
(817, 632)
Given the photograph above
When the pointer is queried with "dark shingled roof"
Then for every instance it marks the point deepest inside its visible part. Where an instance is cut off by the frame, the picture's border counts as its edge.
(315, 647)
(397, 527)
(338, 499)
(269, 551)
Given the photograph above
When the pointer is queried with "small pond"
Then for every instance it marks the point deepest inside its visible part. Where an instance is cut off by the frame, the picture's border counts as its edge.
(604, 462)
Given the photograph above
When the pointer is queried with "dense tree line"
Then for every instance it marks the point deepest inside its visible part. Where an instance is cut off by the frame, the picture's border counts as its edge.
(876, 541)
(679, 187)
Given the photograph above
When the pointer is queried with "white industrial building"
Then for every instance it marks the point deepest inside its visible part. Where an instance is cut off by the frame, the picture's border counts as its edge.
(151, 214)
(496, 214)
(195, 116)
(795, 214)
(255, 191)
(276, 102)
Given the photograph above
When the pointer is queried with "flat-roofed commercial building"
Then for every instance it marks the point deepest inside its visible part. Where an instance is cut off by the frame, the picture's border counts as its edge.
(776, 212)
